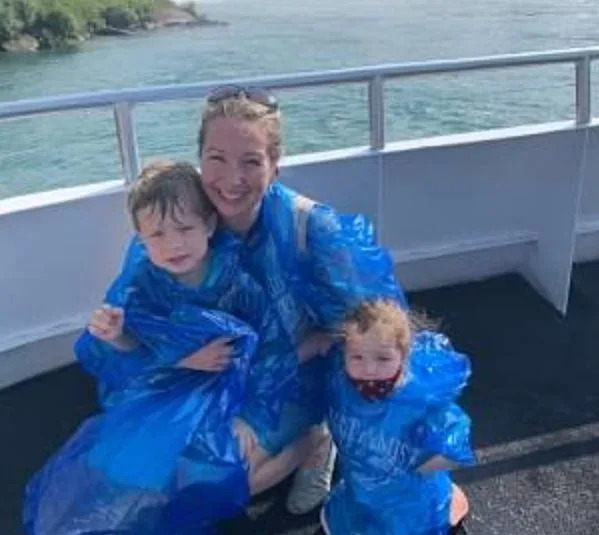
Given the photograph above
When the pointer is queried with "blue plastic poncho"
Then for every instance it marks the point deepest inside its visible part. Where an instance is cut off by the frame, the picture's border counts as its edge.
(382, 443)
(162, 459)
(304, 289)
(310, 288)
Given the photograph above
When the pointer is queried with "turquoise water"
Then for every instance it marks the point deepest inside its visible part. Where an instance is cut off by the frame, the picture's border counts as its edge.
(285, 36)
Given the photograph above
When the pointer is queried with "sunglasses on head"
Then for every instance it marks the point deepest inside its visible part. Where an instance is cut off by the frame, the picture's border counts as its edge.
(255, 94)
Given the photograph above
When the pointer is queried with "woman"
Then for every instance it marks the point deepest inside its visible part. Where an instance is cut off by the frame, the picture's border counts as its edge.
(314, 265)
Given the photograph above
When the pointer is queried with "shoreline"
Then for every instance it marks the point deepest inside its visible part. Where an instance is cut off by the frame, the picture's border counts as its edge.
(152, 26)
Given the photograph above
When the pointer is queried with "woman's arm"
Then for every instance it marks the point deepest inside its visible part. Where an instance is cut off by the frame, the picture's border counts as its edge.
(344, 265)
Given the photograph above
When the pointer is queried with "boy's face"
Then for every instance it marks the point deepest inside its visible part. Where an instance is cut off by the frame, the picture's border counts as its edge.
(177, 243)
(372, 355)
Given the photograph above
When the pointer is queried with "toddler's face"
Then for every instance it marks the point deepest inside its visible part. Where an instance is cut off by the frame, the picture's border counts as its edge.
(372, 355)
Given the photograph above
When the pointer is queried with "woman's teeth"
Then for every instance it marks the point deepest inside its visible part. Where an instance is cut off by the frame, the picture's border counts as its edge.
(230, 196)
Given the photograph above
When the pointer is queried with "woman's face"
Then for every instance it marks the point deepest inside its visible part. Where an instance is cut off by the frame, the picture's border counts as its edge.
(236, 169)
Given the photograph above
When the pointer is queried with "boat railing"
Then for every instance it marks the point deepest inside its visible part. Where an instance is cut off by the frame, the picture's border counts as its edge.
(123, 101)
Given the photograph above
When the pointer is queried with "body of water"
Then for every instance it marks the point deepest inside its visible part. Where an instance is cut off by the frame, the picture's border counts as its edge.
(285, 36)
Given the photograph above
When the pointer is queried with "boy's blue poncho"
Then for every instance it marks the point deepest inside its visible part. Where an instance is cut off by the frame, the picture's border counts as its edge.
(382, 443)
(162, 459)
(310, 286)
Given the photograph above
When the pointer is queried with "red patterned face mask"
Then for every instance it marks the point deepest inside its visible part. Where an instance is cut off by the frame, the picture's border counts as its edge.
(375, 389)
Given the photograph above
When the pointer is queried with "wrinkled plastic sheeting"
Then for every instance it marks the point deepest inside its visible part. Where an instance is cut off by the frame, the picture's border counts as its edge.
(162, 459)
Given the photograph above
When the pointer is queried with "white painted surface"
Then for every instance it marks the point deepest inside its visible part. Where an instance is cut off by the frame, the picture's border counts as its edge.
(35, 358)
(57, 259)
(451, 193)
(347, 179)
(587, 245)
(434, 266)
(455, 208)
(587, 238)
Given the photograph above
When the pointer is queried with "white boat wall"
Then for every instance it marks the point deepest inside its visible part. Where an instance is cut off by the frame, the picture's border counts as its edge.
(451, 208)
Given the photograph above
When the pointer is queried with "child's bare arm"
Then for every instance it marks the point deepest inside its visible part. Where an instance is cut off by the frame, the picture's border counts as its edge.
(107, 324)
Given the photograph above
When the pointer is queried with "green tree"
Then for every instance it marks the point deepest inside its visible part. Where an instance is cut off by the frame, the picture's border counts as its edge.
(59, 23)
(121, 17)
(10, 25)
(26, 12)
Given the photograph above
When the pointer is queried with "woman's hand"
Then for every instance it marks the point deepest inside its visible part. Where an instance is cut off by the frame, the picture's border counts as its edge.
(107, 324)
(317, 343)
(213, 357)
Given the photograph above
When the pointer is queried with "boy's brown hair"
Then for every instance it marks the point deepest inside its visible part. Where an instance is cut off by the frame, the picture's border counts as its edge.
(168, 187)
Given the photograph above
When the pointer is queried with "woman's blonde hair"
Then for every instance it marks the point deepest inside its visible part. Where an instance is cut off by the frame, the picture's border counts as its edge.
(242, 108)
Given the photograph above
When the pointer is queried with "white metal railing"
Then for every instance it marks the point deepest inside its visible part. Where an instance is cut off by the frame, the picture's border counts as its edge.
(123, 101)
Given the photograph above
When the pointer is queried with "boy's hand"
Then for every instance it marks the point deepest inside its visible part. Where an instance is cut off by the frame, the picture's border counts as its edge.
(246, 437)
(107, 324)
(213, 357)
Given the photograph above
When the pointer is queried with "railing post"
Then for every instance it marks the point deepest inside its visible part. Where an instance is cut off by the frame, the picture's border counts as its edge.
(583, 90)
(376, 113)
(127, 140)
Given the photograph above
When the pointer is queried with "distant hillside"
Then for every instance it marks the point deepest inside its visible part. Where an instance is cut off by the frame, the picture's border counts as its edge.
(29, 25)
